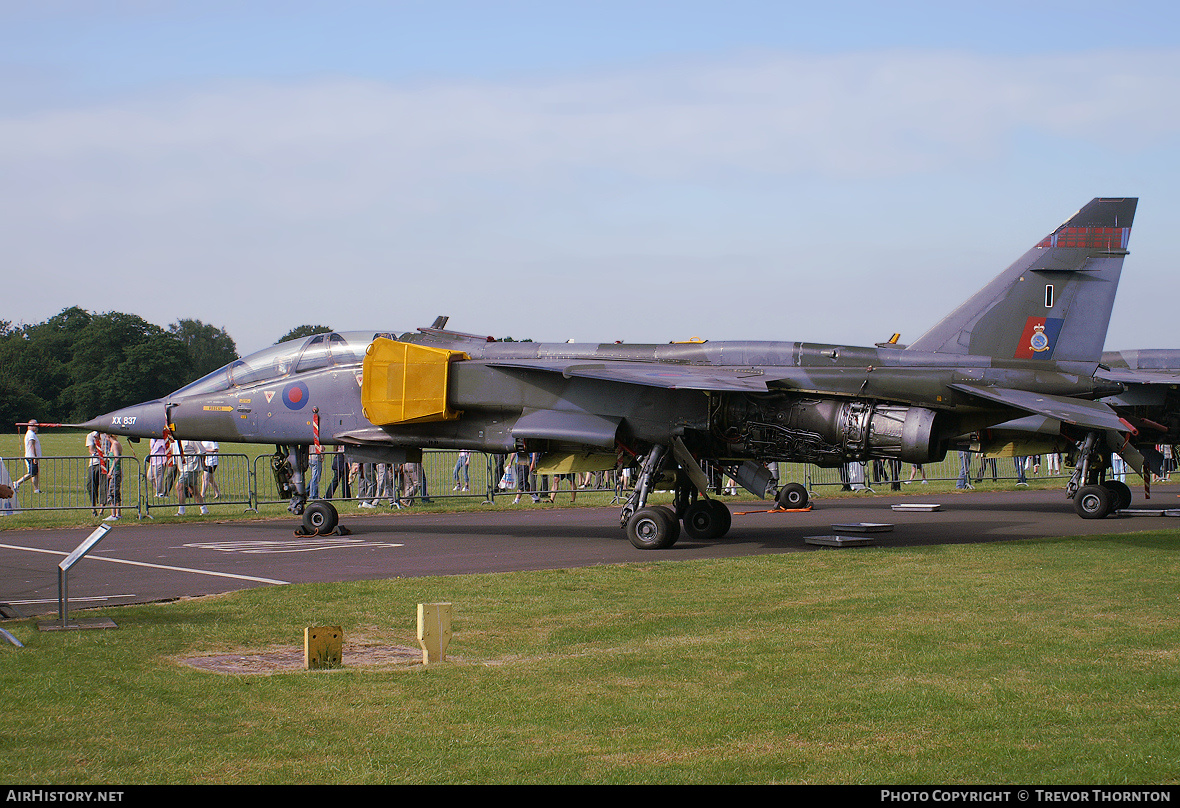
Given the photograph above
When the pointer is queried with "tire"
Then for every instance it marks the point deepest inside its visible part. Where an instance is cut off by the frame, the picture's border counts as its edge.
(707, 519)
(652, 529)
(320, 517)
(1122, 493)
(673, 523)
(1093, 502)
(792, 496)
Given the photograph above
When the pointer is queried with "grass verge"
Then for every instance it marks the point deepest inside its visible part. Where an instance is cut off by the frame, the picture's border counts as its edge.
(1052, 661)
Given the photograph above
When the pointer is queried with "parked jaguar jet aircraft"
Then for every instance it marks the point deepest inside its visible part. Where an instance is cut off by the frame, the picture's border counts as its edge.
(1029, 342)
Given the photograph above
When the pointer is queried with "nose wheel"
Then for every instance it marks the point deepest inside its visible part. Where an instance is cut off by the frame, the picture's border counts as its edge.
(320, 518)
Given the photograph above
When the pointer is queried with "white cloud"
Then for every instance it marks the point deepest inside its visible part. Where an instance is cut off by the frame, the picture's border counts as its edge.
(881, 114)
(271, 180)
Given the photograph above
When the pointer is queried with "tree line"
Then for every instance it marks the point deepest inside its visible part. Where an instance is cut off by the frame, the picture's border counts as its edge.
(77, 365)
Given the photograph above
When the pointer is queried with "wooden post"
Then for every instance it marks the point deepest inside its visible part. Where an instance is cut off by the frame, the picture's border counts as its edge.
(322, 647)
(434, 631)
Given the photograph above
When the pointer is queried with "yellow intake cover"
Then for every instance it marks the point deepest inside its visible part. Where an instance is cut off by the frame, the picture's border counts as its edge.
(404, 383)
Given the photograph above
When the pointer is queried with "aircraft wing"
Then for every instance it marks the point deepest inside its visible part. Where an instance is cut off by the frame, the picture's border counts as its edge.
(1140, 376)
(651, 374)
(1078, 411)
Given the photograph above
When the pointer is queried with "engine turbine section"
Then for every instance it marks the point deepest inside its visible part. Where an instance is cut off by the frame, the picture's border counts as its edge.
(824, 431)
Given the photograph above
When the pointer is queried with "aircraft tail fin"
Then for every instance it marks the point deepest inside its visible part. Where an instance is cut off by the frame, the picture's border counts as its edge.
(1052, 303)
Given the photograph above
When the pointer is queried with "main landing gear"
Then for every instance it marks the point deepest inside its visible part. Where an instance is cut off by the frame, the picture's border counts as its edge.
(651, 528)
(657, 527)
(1094, 496)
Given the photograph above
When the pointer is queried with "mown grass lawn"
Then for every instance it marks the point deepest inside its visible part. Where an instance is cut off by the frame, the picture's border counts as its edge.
(1054, 661)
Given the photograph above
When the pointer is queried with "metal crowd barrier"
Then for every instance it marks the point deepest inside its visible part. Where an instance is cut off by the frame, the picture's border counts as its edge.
(883, 475)
(77, 483)
(152, 483)
(439, 477)
(230, 483)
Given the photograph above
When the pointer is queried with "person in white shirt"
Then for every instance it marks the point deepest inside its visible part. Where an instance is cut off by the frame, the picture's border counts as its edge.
(190, 458)
(209, 463)
(94, 473)
(32, 458)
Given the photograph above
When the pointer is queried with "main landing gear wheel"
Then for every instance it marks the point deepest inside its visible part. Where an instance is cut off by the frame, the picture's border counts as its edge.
(793, 496)
(1121, 492)
(1093, 501)
(707, 519)
(319, 517)
(654, 528)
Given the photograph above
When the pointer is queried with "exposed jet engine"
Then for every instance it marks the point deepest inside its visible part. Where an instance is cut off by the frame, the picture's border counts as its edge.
(824, 431)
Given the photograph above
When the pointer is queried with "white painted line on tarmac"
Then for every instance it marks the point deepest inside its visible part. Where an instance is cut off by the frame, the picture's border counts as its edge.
(152, 566)
(91, 599)
(307, 545)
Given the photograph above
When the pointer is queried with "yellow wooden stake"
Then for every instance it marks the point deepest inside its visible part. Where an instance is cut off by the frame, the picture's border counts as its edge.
(322, 647)
(434, 631)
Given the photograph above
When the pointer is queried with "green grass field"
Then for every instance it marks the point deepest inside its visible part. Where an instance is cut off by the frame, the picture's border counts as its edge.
(1046, 662)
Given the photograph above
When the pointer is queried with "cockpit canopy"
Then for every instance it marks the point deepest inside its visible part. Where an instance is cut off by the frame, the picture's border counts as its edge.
(285, 359)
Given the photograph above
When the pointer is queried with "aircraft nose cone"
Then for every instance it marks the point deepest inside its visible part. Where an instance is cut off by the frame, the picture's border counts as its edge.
(138, 421)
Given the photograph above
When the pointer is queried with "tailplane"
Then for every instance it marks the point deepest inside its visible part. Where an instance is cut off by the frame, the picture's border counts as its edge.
(1054, 302)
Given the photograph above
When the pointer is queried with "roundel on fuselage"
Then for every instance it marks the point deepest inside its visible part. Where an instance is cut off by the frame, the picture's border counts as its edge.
(295, 395)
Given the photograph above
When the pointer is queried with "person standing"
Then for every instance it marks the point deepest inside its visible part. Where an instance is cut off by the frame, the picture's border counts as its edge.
(114, 479)
(463, 466)
(209, 465)
(524, 467)
(1118, 467)
(315, 459)
(557, 478)
(1018, 463)
(1053, 463)
(985, 463)
(32, 458)
(191, 468)
(339, 474)
(409, 485)
(156, 462)
(95, 471)
(964, 481)
(420, 476)
(366, 483)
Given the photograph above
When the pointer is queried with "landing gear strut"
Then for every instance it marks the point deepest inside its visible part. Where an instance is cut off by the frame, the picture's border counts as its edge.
(647, 528)
(1095, 497)
(288, 465)
(658, 527)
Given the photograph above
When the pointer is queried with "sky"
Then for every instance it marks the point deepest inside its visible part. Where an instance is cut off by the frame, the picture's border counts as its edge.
(644, 171)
